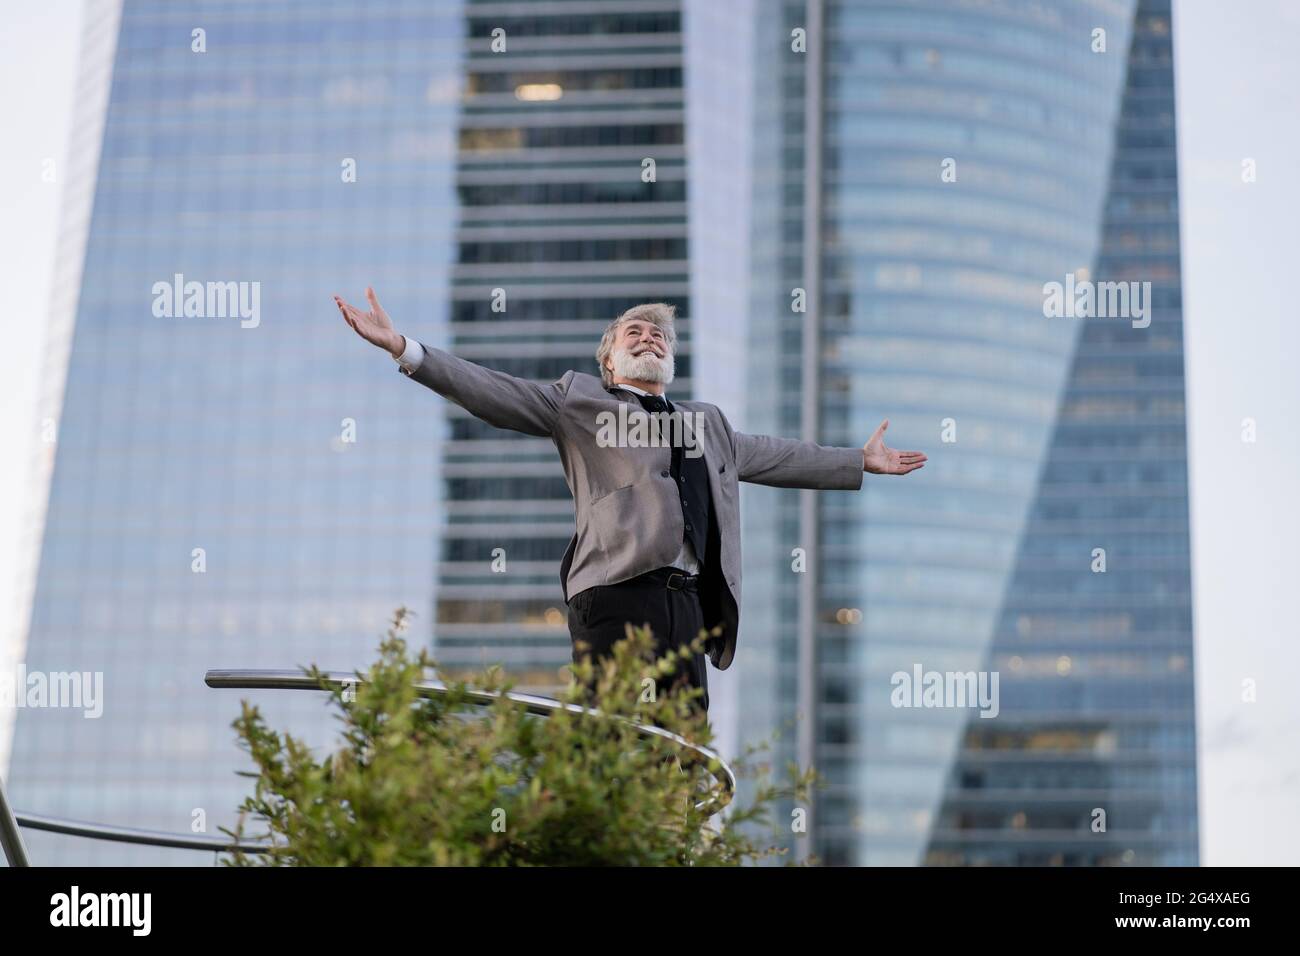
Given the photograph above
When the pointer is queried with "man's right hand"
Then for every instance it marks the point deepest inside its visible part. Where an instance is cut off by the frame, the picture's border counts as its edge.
(373, 326)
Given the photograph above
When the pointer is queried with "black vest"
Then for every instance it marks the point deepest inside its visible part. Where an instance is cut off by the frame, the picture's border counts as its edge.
(691, 475)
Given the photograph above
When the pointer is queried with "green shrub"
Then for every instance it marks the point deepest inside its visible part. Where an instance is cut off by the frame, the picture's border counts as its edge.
(441, 781)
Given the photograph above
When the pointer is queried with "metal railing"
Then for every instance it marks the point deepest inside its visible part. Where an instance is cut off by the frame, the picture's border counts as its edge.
(15, 850)
(116, 834)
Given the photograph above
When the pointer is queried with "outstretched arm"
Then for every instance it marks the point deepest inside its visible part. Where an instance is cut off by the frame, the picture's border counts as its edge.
(495, 397)
(790, 463)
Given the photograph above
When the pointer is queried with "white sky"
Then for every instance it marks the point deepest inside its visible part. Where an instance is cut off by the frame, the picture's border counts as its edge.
(1238, 78)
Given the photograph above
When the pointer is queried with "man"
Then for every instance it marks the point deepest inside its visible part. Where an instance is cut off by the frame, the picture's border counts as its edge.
(656, 496)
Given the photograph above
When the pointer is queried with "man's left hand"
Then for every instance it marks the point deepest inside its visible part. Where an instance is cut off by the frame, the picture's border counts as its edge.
(879, 459)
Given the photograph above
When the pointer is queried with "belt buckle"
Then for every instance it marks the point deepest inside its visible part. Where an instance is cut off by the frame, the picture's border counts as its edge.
(679, 586)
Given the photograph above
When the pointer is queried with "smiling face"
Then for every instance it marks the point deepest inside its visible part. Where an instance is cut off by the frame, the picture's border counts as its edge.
(639, 336)
(641, 354)
(638, 346)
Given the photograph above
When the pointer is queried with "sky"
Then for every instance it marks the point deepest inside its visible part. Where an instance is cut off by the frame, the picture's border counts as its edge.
(1237, 82)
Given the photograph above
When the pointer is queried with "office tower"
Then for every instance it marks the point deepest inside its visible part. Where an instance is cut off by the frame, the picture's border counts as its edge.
(263, 490)
(96, 46)
(951, 160)
(1098, 768)
(240, 492)
(571, 176)
(251, 490)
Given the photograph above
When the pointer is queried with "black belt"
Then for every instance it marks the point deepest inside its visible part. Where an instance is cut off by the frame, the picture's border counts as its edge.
(674, 579)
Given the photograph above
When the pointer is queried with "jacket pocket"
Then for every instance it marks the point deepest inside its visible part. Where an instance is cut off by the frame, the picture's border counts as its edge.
(593, 498)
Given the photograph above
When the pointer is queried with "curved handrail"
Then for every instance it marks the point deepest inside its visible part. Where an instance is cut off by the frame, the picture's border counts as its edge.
(103, 831)
(533, 704)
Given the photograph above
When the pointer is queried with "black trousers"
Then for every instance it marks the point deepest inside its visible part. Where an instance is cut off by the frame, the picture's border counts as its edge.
(665, 600)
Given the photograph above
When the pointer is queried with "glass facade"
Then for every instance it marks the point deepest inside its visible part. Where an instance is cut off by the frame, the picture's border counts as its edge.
(227, 491)
(557, 233)
(240, 492)
(1096, 667)
(971, 153)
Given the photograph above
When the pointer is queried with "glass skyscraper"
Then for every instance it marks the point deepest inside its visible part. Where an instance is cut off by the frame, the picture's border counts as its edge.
(1097, 667)
(951, 160)
(264, 490)
(557, 232)
(256, 491)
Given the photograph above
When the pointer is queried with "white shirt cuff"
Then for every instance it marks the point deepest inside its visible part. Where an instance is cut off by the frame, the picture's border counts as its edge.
(412, 356)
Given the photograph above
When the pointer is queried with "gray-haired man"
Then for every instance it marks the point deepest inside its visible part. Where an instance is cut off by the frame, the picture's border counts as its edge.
(658, 521)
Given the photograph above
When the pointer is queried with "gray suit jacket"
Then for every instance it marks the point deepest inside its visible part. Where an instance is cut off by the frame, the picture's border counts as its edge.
(626, 505)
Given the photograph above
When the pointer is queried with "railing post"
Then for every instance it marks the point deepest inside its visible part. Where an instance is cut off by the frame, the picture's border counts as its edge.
(11, 840)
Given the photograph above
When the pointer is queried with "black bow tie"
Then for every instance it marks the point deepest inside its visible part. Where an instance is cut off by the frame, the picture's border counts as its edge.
(654, 403)
(651, 403)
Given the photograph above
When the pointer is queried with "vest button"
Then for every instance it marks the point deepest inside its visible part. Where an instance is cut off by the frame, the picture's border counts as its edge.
(664, 474)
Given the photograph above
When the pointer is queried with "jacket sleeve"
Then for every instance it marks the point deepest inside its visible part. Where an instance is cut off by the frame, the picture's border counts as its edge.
(790, 463)
(495, 397)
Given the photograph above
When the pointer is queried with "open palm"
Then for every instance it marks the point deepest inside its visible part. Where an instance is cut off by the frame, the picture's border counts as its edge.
(373, 326)
(879, 459)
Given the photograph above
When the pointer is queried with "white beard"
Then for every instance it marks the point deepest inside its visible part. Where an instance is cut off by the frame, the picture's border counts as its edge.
(646, 367)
